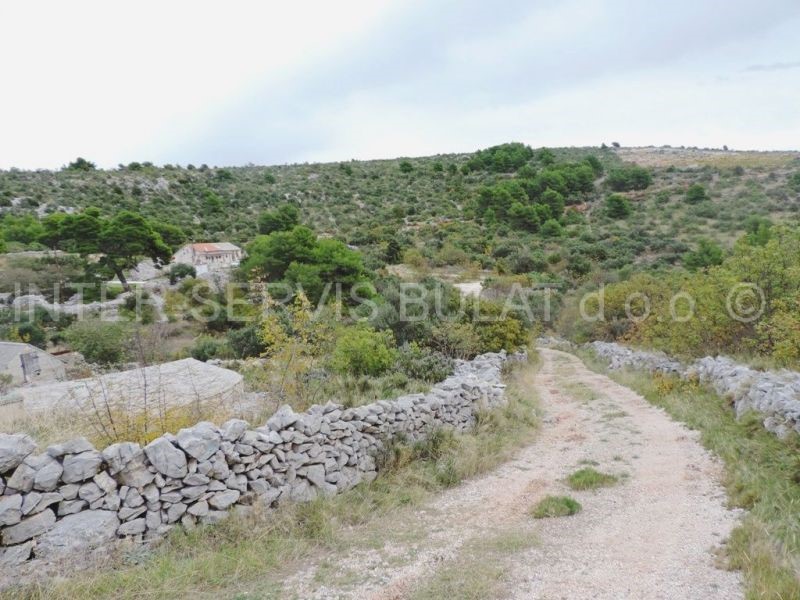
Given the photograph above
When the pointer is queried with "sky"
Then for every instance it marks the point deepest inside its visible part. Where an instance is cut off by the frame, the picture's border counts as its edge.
(272, 82)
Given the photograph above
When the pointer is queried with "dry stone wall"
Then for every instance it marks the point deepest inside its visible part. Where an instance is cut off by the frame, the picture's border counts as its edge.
(773, 394)
(75, 498)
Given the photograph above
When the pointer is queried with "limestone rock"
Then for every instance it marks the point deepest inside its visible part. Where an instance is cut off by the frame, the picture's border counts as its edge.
(47, 477)
(80, 467)
(166, 458)
(79, 532)
(76, 446)
(223, 500)
(14, 448)
(201, 441)
(10, 510)
(28, 528)
(14, 556)
(134, 527)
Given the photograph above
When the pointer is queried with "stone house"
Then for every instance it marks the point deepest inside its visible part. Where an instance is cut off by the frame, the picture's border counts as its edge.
(25, 363)
(206, 257)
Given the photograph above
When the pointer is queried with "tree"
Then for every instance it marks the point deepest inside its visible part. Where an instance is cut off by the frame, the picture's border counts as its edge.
(172, 235)
(552, 229)
(624, 179)
(617, 206)
(707, 254)
(406, 166)
(696, 194)
(285, 218)
(553, 200)
(121, 241)
(125, 239)
(81, 164)
(363, 351)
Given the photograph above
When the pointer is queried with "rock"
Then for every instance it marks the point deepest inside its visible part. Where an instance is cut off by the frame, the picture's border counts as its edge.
(199, 509)
(78, 533)
(10, 510)
(232, 430)
(14, 556)
(76, 446)
(47, 477)
(120, 456)
(223, 500)
(201, 441)
(195, 479)
(126, 513)
(69, 491)
(22, 479)
(153, 520)
(70, 507)
(192, 493)
(315, 474)
(80, 467)
(166, 458)
(90, 492)
(14, 448)
(105, 482)
(29, 502)
(47, 499)
(283, 418)
(134, 498)
(28, 528)
(175, 512)
(134, 527)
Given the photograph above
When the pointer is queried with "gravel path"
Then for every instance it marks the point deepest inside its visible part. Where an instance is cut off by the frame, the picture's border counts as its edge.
(652, 536)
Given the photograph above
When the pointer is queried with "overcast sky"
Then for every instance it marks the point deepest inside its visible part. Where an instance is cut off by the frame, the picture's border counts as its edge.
(277, 82)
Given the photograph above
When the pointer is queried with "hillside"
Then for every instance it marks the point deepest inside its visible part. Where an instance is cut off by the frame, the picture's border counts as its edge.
(429, 204)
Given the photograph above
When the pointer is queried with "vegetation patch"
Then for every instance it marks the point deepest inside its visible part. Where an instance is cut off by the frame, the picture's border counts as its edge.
(555, 506)
(590, 479)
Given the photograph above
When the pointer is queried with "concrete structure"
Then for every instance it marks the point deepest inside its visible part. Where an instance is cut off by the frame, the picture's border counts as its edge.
(29, 364)
(209, 256)
(168, 385)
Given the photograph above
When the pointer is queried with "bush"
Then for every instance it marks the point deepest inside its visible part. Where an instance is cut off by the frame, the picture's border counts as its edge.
(363, 351)
(206, 348)
(99, 341)
(180, 271)
(696, 194)
(417, 362)
(625, 179)
(617, 206)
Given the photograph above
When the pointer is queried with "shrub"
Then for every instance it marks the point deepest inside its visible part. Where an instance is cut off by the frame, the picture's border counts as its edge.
(696, 194)
(552, 229)
(363, 351)
(418, 362)
(617, 206)
(180, 271)
(625, 179)
(206, 348)
(100, 342)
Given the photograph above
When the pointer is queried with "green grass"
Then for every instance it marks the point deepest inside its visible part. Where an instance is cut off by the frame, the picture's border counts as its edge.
(762, 475)
(555, 506)
(590, 479)
(248, 556)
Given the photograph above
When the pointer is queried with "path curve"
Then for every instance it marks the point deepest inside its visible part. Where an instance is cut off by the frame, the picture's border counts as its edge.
(651, 536)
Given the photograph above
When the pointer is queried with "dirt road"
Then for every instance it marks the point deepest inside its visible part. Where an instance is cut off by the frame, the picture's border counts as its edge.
(651, 536)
